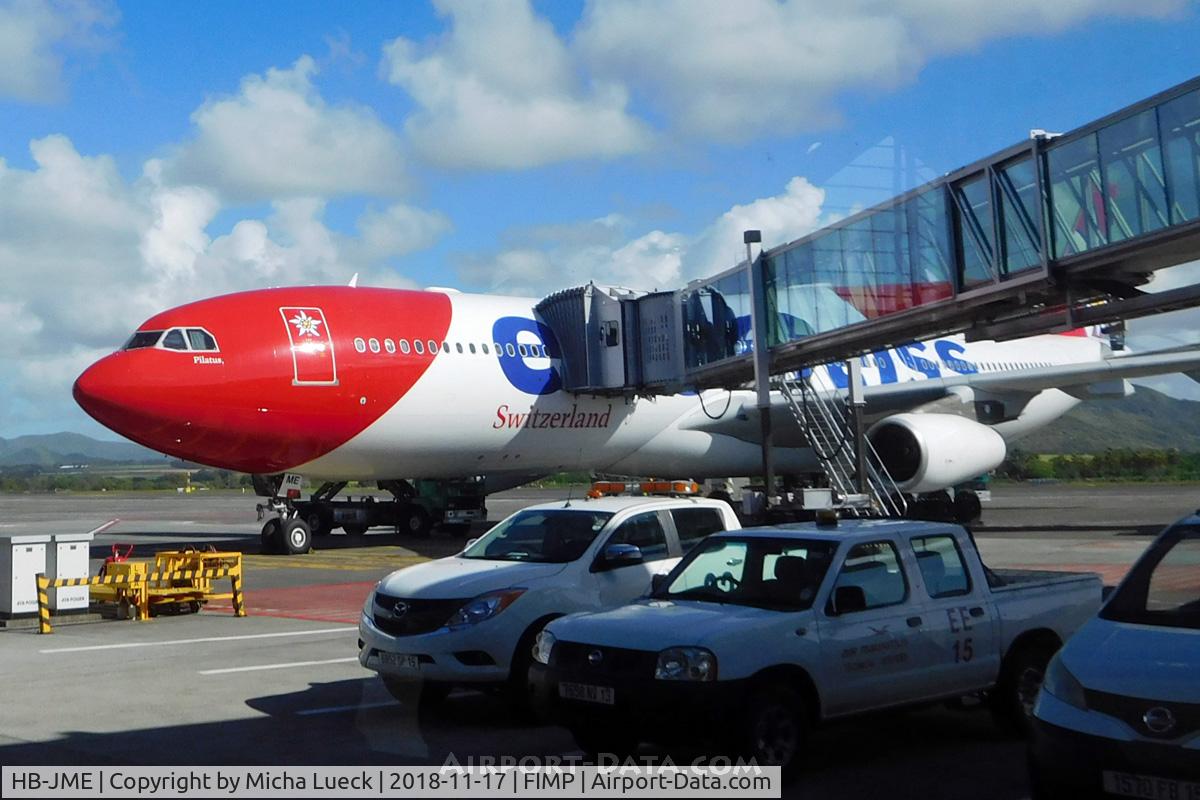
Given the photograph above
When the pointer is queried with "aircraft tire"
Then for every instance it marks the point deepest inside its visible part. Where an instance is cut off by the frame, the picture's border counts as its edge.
(319, 520)
(967, 507)
(272, 536)
(297, 537)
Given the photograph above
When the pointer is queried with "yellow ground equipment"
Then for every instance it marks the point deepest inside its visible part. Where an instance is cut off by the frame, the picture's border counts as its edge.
(180, 579)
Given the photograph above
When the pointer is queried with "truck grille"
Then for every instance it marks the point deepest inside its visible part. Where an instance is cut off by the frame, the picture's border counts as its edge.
(1131, 710)
(414, 617)
(614, 662)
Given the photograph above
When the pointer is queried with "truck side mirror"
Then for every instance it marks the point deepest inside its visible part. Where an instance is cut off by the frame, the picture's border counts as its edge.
(618, 555)
(658, 582)
(848, 599)
(470, 542)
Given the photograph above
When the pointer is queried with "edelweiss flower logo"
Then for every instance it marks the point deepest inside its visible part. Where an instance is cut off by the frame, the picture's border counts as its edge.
(306, 325)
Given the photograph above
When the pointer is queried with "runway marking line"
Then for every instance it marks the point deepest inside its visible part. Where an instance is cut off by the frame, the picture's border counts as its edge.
(284, 665)
(200, 640)
(308, 712)
(102, 528)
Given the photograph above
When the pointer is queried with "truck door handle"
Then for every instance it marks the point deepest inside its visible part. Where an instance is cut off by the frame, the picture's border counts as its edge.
(914, 622)
(977, 611)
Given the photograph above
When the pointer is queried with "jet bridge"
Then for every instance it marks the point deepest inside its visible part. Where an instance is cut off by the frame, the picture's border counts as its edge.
(1053, 233)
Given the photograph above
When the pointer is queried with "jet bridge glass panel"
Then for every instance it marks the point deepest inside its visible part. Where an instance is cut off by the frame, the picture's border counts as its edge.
(894, 259)
(716, 319)
(1179, 122)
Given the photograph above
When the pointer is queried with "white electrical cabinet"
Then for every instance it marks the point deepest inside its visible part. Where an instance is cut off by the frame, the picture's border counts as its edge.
(67, 557)
(22, 557)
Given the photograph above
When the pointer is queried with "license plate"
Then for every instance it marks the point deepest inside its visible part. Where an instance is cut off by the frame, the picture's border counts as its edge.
(398, 661)
(586, 692)
(1149, 787)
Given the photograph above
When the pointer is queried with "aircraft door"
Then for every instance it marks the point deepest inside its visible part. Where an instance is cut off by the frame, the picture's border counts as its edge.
(311, 344)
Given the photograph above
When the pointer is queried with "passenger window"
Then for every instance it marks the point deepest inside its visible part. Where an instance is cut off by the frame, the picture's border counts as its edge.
(458, 346)
(717, 559)
(389, 345)
(472, 348)
(404, 348)
(418, 346)
(174, 340)
(499, 349)
(644, 532)
(523, 350)
(874, 568)
(374, 345)
(201, 340)
(432, 347)
(360, 345)
(941, 566)
(508, 348)
(693, 524)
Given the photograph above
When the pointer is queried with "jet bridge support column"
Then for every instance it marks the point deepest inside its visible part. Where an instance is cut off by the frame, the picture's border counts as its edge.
(762, 355)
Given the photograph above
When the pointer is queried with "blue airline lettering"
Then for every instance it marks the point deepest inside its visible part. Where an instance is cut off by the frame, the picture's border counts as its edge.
(523, 377)
(915, 362)
(951, 353)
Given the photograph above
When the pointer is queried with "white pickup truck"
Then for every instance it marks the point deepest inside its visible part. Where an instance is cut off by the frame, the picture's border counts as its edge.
(760, 634)
(471, 619)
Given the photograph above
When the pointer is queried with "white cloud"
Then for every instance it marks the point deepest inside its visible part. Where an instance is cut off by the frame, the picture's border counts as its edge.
(34, 34)
(279, 138)
(732, 71)
(501, 90)
(87, 256)
(544, 258)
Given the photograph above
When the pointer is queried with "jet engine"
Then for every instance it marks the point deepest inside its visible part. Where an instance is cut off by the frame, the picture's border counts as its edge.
(928, 452)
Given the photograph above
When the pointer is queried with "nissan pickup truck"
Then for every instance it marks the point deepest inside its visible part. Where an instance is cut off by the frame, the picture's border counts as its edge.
(760, 635)
(471, 619)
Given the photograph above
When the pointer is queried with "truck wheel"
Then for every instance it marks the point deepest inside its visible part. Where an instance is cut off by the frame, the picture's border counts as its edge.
(297, 537)
(354, 529)
(320, 522)
(272, 536)
(1021, 677)
(775, 728)
(967, 507)
(416, 523)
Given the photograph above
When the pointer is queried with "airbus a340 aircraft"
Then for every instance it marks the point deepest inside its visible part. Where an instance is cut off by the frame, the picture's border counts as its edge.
(343, 383)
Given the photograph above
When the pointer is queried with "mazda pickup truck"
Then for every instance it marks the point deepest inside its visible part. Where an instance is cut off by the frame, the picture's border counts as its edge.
(471, 619)
(760, 635)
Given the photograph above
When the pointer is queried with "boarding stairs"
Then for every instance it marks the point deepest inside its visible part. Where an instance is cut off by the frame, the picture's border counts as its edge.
(827, 425)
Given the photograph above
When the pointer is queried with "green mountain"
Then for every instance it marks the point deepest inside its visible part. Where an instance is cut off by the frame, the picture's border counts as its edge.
(56, 449)
(1146, 420)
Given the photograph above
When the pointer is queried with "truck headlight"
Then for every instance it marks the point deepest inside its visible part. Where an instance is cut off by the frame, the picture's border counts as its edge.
(369, 604)
(686, 664)
(1059, 682)
(483, 607)
(543, 645)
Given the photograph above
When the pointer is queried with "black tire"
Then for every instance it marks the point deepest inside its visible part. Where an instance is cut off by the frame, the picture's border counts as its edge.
(423, 696)
(1021, 676)
(600, 741)
(297, 537)
(354, 529)
(775, 729)
(319, 520)
(519, 696)
(272, 536)
(416, 523)
(967, 507)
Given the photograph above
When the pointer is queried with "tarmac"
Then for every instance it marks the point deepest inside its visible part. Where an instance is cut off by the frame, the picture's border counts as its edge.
(283, 685)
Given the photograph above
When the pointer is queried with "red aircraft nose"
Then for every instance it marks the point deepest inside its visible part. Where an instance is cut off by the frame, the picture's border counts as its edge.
(105, 391)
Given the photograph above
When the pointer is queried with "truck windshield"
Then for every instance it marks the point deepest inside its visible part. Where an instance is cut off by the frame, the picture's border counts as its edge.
(1163, 588)
(550, 536)
(780, 574)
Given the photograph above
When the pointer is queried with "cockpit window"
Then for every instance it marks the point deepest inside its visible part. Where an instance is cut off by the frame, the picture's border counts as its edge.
(201, 340)
(142, 339)
(174, 340)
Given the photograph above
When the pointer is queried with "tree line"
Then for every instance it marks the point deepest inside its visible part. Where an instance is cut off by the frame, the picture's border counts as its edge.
(34, 480)
(1124, 464)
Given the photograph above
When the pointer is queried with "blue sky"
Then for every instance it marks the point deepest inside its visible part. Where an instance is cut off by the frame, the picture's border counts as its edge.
(156, 153)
